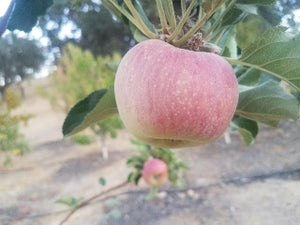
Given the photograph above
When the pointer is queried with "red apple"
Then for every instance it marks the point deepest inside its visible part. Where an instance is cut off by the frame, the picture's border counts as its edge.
(171, 97)
(155, 172)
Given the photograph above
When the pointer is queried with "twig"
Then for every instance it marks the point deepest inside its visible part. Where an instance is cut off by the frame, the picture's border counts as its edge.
(172, 15)
(182, 21)
(162, 17)
(183, 7)
(198, 25)
(141, 25)
(86, 202)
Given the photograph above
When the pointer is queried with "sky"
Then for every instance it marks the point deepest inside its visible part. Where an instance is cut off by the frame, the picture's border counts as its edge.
(3, 6)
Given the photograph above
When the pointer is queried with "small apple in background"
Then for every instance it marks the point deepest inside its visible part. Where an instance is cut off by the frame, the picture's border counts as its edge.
(171, 97)
(155, 172)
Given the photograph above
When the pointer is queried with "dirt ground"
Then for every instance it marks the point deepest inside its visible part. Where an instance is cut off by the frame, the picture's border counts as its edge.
(227, 184)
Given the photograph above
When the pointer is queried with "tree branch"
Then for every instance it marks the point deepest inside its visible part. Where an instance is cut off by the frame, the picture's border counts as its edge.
(86, 202)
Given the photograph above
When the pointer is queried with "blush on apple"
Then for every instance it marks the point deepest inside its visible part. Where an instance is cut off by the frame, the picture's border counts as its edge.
(171, 97)
(155, 172)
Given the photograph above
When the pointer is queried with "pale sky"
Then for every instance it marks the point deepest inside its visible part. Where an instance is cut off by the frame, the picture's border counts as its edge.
(3, 6)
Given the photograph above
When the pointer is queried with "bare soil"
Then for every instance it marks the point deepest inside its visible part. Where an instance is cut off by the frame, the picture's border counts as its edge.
(227, 183)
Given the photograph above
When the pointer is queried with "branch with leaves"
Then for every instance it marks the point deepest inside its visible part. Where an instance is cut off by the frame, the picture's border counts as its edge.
(274, 54)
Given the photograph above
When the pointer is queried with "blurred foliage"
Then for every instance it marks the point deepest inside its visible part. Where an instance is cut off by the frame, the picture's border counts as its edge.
(82, 139)
(78, 74)
(12, 142)
(249, 29)
(71, 202)
(280, 13)
(93, 27)
(20, 58)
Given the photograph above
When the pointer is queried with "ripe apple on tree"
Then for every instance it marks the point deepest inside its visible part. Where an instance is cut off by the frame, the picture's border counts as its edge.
(171, 97)
(155, 172)
(176, 87)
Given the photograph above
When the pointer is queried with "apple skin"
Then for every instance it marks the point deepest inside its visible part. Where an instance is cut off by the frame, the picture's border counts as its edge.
(155, 172)
(171, 97)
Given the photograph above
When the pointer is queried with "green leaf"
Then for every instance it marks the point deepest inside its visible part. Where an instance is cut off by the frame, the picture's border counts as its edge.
(108, 5)
(210, 5)
(267, 103)
(102, 181)
(233, 16)
(252, 9)
(99, 105)
(247, 128)
(275, 53)
(250, 78)
(134, 177)
(69, 201)
(228, 43)
(142, 14)
(256, 2)
(26, 13)
(137, 34)
(136, 162)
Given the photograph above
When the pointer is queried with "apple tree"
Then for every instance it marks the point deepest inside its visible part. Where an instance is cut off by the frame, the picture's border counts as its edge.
(176, 88)
(192, 75)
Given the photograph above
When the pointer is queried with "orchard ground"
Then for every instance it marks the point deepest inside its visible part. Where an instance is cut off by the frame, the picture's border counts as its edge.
(227, 183)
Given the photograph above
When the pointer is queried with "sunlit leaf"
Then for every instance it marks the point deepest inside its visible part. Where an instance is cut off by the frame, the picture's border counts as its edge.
(275, 52)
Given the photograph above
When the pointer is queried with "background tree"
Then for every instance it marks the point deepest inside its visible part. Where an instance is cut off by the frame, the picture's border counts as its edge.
(93, 28)
(12, 142)
(20, 58)
(78, 74)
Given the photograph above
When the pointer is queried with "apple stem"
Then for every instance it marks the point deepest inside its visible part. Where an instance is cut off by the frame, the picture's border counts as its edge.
(172, 18)
(199, 24)
(141, 25)
(219, 20)
(153, 192)
(183, 20)
(183, 7)
(124, 12)
(162, 16)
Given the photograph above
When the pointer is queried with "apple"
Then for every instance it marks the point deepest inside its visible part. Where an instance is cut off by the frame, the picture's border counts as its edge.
(171, 97)
(155, 172)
